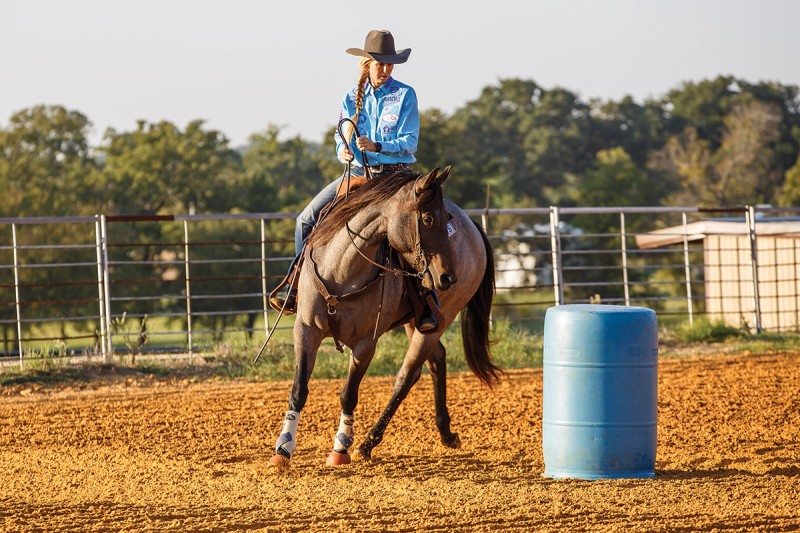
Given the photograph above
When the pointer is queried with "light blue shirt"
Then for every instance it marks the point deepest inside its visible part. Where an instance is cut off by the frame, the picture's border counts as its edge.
(389, 116)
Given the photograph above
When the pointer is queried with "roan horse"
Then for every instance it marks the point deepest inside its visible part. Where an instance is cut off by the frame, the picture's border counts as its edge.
(346, 279)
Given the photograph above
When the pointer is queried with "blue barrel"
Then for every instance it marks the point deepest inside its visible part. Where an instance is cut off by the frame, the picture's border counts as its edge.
(600, 392)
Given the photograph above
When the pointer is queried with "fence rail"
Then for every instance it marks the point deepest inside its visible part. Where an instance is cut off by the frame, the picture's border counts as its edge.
(107, 284)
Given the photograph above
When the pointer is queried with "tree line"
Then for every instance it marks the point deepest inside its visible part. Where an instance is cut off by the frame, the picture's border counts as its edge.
(721, 142)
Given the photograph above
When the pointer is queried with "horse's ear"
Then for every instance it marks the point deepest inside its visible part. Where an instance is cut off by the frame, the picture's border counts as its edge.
(427, 181)
(444, 175)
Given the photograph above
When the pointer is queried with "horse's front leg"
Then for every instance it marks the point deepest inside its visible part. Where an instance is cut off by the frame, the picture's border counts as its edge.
(407, 376)
(362, 354)
(306, 343)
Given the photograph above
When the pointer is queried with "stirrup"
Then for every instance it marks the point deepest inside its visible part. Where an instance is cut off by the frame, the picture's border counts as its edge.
(428, 323)
(288, 305)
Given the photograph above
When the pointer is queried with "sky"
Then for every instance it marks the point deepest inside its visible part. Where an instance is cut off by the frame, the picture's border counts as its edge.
(243, 65)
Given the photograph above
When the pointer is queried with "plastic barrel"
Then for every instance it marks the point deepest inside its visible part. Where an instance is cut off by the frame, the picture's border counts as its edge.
(599, 416)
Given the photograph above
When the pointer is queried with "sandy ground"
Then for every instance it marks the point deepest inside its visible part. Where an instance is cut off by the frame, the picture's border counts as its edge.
(147, 454)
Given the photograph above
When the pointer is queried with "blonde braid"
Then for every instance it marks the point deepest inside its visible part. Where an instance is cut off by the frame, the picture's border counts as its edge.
(362, 80)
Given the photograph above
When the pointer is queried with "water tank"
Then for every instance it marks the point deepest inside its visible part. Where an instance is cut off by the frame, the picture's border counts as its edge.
(600, 391)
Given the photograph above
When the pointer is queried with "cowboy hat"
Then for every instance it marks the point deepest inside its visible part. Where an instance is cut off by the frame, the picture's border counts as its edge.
(379, 45)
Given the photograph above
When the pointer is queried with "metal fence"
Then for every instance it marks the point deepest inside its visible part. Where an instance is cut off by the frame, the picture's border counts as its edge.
(123, 284)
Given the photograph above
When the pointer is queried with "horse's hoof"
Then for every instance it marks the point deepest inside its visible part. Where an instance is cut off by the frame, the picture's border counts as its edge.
(364, 453)
(338, 459)
(280, 461)
(452, 441)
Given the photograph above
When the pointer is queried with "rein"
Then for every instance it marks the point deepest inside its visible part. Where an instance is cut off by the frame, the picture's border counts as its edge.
(420, 255)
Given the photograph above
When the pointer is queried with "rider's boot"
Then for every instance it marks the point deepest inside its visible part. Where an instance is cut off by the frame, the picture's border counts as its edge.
(428, 322)
(287, 304)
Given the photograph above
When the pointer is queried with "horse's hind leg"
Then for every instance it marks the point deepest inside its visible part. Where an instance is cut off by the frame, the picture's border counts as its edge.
(437, 366)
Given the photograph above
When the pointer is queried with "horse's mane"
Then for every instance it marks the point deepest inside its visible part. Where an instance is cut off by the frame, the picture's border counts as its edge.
(373, 192)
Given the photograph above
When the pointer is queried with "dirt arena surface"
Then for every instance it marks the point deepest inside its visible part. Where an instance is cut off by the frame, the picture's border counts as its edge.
(147, 454)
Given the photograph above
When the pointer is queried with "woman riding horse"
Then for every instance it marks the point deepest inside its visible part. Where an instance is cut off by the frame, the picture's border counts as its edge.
(349, 295)
(386, 114)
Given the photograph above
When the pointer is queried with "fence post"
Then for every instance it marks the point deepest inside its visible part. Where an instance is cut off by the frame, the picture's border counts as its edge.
(624, 258)
(188, 285)
(687, 270)
(751, 229)
(16, 292)
(264, 302)
(101, 299)
(555, 251)
(107, 287)
(485, 215)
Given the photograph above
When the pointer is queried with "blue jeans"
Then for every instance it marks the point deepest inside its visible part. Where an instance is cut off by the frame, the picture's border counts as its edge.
(308, 217)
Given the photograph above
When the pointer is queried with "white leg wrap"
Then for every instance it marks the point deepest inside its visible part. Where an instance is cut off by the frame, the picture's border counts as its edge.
(288, 438)
(344, 435)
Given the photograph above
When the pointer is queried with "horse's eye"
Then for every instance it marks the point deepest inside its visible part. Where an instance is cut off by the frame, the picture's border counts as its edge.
(427, 220)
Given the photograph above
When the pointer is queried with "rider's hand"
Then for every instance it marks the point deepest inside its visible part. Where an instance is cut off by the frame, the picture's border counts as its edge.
(345, 155)
(363, 143)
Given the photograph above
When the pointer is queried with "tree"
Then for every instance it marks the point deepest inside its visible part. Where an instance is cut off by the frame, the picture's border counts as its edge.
(741, 170)
(46, 167)
(745, 165)
(159, 169)
(701, 105)
(790, 192)
(281, 175)
(638, 129)
(615, 181)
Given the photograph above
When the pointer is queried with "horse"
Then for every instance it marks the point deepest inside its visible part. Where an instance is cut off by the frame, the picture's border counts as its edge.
(347, 275)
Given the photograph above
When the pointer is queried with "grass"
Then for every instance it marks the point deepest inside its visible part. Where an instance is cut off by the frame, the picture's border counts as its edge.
(514, 346)
(705, 330)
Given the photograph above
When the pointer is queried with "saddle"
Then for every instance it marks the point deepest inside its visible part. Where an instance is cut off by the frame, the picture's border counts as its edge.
(348, 185)
(419, 299)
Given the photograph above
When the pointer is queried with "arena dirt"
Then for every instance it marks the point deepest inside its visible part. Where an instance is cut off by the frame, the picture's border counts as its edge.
(148, 454)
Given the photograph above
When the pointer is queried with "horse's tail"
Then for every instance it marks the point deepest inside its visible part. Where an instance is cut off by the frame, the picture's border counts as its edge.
(475, 323)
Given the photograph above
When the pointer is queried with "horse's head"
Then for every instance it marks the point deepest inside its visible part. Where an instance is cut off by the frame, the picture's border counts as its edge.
(424, 235)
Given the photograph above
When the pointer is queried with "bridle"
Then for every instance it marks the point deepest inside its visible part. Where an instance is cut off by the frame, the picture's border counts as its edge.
(420, 256)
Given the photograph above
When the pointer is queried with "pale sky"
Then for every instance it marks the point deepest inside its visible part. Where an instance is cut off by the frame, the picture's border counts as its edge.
(244, 64)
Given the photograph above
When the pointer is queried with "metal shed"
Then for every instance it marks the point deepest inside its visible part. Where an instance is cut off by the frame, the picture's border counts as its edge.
(751, 271)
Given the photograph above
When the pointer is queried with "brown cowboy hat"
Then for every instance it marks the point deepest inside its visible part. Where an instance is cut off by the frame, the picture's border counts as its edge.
(379, 45)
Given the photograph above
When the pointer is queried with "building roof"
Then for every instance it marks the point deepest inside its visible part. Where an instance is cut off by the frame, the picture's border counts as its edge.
(774, 227)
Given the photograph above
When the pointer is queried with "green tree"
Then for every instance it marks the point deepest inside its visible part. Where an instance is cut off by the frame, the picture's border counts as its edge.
(638, 129)
(701, 105)
(615, 181)
(159, 169)
(281, 175)
(790, 192)
(46, 167)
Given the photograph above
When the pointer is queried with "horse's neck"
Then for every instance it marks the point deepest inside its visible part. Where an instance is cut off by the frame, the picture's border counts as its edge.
(339, 261)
